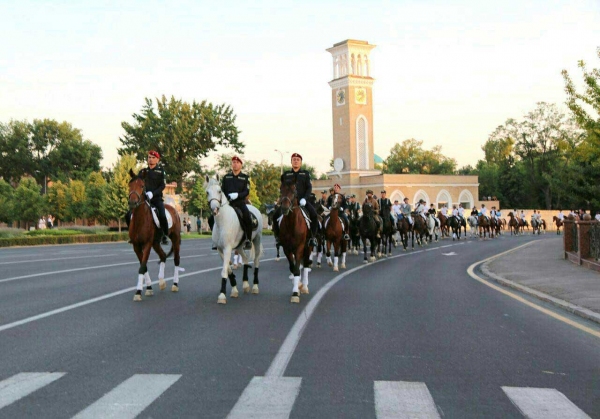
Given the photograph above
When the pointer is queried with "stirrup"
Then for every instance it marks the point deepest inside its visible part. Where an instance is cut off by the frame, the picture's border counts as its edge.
(312, 242)
(247, 245)
(164, 240)
(214, 247)
(346, 237)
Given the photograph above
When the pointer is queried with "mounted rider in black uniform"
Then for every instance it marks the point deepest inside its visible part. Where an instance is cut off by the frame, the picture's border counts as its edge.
(236, 186)
(300, 178)
(155, 180)
(342, 211)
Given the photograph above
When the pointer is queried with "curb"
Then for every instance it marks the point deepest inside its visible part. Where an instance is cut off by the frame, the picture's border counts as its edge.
(565, 305)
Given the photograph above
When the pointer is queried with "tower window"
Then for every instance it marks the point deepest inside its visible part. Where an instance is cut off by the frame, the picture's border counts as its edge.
(362, 147)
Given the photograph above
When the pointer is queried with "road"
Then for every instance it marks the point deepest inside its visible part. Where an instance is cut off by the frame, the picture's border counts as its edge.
(413, 333)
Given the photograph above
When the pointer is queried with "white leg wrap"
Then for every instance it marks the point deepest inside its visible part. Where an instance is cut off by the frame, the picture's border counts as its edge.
(140, 284)
(148, 280)
(296, 282)
(305, 276)
(319, 257)
(344, 259)
(176, 274)
(335, 261)
(161, 270)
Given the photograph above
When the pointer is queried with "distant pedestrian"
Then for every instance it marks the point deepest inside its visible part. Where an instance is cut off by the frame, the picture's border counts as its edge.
(199, 225)
(189, 225)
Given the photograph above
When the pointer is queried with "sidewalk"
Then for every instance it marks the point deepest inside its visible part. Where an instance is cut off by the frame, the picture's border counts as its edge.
(539, 269)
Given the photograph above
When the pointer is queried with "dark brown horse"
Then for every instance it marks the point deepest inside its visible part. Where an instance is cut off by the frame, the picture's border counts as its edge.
(484, 226)
(293, 234)
(404, 228)
(513, 224)
(558, 222)
(144, 236)
(444, 228)
(334, 232)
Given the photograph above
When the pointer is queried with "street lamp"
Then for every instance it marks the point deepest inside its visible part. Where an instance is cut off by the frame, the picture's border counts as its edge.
(45, 180)
(281, 154)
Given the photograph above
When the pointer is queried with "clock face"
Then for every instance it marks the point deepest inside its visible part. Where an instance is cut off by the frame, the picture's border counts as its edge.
(340, 97)
(360, 95)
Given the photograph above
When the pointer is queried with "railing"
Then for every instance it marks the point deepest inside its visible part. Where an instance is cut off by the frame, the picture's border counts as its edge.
(581, 241)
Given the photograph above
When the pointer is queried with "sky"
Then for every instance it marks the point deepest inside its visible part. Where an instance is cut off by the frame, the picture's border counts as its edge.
(446, 72)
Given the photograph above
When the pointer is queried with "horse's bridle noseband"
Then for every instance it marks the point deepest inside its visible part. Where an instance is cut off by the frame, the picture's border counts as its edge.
(140, 198)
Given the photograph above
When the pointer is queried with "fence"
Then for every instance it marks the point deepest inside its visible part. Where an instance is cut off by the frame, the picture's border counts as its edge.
(581, 241)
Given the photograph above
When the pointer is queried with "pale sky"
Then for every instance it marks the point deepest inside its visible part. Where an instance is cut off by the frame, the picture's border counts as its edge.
(446, 72)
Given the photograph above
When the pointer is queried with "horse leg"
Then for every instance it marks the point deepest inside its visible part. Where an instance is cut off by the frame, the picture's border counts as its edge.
(161, 267)
(303, 286)
(225, 256)
(336, 253)
(142, 253)
(344, 249)
(328, 252)
(296, 276)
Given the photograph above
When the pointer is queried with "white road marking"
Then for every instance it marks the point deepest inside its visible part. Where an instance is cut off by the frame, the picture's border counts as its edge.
(96, 299)
(543, 403)
(56, 259)
(14, 278)
(129, 398)
(403, 399)
(449, 254)
(267, 397)
(18, 386)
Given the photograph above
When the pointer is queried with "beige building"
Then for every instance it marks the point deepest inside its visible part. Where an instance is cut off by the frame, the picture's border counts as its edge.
(353, 151)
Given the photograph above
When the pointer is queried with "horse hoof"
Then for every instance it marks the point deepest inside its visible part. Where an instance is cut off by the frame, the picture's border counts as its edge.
(405, 250)
(162, 284)
(137, 297)
(336, 269)
(291, 276)
(343, 266)
(149, 293)
(277, 259)
(330, 264)
(246, 287)
(234, 266)
(303, 290)
(365, 261)
(295, 298)
(234, 293)
(222, 299)
(175, 288)
(255, 289)
(318, 265)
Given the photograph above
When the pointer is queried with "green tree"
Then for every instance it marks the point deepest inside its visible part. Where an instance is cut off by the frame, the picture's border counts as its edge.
(17, 160)
(268, 176)
(182, 133)
(28, 202)
(95, 191)
(410, 157)
(77, 200)
(195, 201)
(116, 202)
(6, 202)
(253, 196)
(57, 201)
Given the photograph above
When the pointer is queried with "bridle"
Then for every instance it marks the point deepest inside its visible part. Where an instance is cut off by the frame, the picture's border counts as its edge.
(287, 210)
(140, 198)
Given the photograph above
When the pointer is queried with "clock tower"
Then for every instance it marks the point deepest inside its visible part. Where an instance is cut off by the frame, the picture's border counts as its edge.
(352, 107)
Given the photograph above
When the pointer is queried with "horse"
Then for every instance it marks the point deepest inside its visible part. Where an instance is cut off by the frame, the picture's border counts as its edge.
(368, 230)
(495, 225)
(270, 213)
(432, 228)
(473, 224)
(334, 232)
(513, 224)
(484, 226)
(444, 227)
(293, 235)
(544, 226)
(522, 224)
(354, 218)
(405, 229)
(228, 235)
(453, 223)
(420, 230)
(387, 232)
(322, 213)
(463, 223)
(144, 235)
(558, 222)
(536, 226)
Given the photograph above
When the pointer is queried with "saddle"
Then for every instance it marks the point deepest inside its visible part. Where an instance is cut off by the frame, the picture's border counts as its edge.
(304, 214)
(155, 217)
(240, 216)
(339, 218)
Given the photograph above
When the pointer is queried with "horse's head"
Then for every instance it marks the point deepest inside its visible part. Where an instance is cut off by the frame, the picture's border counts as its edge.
(287, 197)
(367, 209)
(137, 190)
(336, 201)
(214, 195)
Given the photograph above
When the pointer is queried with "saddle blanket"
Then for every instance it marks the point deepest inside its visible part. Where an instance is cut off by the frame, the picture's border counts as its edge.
(155, 216)
(341, 222)
(304, 214)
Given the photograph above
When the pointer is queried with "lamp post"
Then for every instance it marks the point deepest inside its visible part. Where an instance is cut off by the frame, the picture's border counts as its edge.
(281, 163)
(45, 181)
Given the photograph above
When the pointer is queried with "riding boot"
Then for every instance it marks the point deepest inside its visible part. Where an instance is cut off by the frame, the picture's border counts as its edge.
(314, 226)
(248, 234)
(165, 232)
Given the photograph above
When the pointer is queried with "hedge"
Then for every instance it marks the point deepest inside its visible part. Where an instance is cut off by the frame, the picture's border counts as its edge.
(80, 238)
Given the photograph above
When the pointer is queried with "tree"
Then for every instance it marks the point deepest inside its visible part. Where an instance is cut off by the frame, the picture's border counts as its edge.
(195, 201)
(252, 196)
(77, 200)
(17, 160)
(118, 188)
(28, 202)
(6, 202)
(311, 169)
(268, 177)
(57, 201)
(410, 157)
(95, 191)
(182, 133)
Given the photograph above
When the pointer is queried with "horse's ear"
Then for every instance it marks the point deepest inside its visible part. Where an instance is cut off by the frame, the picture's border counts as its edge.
(206, 178)
(131, 173)
(218, 179)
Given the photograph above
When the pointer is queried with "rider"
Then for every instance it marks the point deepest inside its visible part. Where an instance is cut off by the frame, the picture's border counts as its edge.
(236, 186)
(461, 213)
(371, 200)
(444, 210)
(474, 212)
(155, 180)
(353, 205)
(385, 202)
(323, 200)
(432, 213)
(342, 213)
(483, 211)
(421, 208)
(406, 210)
(523, 217)
(560, 216)
(301, 178)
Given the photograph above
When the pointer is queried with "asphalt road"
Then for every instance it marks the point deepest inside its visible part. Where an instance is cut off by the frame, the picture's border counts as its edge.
(412, 334)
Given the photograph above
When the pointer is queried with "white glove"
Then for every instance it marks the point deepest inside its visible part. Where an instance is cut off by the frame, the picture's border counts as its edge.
(233, 196)
(302, 202)
(149, 195)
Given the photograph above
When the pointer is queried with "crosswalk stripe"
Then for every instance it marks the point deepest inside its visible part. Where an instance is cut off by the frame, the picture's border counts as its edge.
(267, 397)
(23, 384)
(129, 398)
(403, 399)
(546, 403)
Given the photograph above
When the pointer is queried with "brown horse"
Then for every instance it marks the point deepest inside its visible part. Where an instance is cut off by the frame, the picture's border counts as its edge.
(333, 235)
(484, 226)
(496, 226)
(444, 228)
(513, 224)
(293, 234)
(404, 228)
(144, 236)
(558, 222)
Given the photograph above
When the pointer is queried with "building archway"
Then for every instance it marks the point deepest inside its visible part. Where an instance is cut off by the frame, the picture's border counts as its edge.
(443, 197)
(397, 195)
(466, 199)
(421, 194)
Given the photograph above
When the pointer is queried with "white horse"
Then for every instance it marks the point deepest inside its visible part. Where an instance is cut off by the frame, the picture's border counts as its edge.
(473, 223)
(432, 228)
(228, 235)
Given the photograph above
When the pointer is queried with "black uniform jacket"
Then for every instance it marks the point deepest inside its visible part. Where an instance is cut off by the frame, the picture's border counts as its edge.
(301, 179)
(155, 180)
(240, 184)
(431, 211)
(384, 203)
